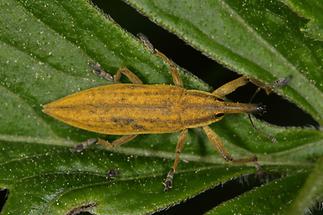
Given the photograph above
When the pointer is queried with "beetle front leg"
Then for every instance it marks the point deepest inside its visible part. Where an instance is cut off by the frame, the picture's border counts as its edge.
(215, 139)
(116, 78)
(230, 87)
(124, 139)
(241, 81)
(168, 183)
(270, 87)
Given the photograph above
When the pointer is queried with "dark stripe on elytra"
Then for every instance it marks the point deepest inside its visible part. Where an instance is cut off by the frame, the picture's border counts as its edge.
(130, 91)
(200, 120)
(107, 105)
(219, 108)
(136, 124)
(143, 120)
(201, 95)
(126, 121)
(141, 106)
(146, 93)
(135, 127)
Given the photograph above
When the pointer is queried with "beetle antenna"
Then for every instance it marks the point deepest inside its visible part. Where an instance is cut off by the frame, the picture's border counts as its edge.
(277, 84)
(249, 115)
(254, 94)
(260, 110)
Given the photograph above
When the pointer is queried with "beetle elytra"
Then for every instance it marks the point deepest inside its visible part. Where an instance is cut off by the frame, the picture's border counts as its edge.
(133, 109)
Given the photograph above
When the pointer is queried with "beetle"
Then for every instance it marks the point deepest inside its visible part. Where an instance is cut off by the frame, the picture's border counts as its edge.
(131, 109)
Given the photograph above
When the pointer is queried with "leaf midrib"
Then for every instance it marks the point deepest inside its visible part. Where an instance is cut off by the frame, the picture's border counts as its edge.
(279, 158)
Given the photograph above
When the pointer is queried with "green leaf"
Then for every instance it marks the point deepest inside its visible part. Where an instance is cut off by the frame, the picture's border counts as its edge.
(311, 192)
(311, 10)
(260, 39)
(45, 49)
(48, 179)
(271, 198)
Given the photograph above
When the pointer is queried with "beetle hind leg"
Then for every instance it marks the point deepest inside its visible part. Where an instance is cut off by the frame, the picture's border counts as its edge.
(168, 183)
(215, 139)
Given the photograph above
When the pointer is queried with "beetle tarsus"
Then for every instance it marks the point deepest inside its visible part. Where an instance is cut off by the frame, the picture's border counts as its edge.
(268, 88)
(228, 158)
(80, 147)
(281, 82)
(168, 183)
(112, 174)
(97, 70)
(144, 39)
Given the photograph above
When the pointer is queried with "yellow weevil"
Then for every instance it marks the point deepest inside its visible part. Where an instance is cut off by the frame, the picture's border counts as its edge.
(137, 108)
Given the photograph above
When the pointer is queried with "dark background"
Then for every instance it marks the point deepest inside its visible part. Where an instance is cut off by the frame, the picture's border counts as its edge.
(278, 110)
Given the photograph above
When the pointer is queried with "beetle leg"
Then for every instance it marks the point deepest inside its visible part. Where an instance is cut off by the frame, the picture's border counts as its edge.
(269, 88)
(130, 75)
(241, 81)
(125, 71)
(168, 183)
(85, 144)
(97, 70)
(117, 142)
(230, 87)
(173, 68)
(124, 139)
(215, 139)
(146, 42)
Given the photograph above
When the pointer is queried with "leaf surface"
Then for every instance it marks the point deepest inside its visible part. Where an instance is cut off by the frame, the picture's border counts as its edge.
(45, 51)
(311, 10)
(271, 198)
